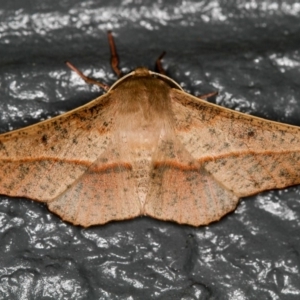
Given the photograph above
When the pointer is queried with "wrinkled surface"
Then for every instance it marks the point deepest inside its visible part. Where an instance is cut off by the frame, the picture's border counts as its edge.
(248, 51)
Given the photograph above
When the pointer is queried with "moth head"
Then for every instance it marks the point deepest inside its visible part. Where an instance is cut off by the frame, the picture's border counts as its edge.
(144, 72)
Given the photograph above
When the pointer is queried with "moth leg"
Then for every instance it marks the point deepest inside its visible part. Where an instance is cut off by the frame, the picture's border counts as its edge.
(208, 95)
(87, 79)
(114, 60)
(158, 64)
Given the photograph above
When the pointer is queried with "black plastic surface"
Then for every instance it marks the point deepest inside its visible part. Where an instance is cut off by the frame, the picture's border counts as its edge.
(248, 51)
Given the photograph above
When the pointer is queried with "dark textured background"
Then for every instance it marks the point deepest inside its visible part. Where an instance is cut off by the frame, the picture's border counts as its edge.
(248, 50)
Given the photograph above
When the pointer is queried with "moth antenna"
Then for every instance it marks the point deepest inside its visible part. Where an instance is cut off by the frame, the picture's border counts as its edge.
(114, 60)
(87, 79)
(208, 95)
(158, 64)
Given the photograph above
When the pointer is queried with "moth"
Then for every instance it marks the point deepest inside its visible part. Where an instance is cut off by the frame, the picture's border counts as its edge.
(147, 148)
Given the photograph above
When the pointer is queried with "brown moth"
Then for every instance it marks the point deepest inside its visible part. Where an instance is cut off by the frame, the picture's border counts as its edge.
(147, 148)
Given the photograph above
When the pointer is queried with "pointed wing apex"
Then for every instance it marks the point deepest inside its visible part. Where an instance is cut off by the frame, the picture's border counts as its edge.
(246, 154)
(42, 160)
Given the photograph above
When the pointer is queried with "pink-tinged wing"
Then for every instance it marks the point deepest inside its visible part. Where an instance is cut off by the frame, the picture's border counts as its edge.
(105, 192)
(244, 154)
(42, 161)
(181, 190)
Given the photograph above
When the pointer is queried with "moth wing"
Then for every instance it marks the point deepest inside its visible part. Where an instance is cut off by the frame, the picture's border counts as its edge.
(105, 192)
(181, 190)
(43, 160)
(245, 154)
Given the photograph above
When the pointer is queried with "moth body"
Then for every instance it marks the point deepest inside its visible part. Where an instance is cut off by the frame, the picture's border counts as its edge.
(148, 148)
